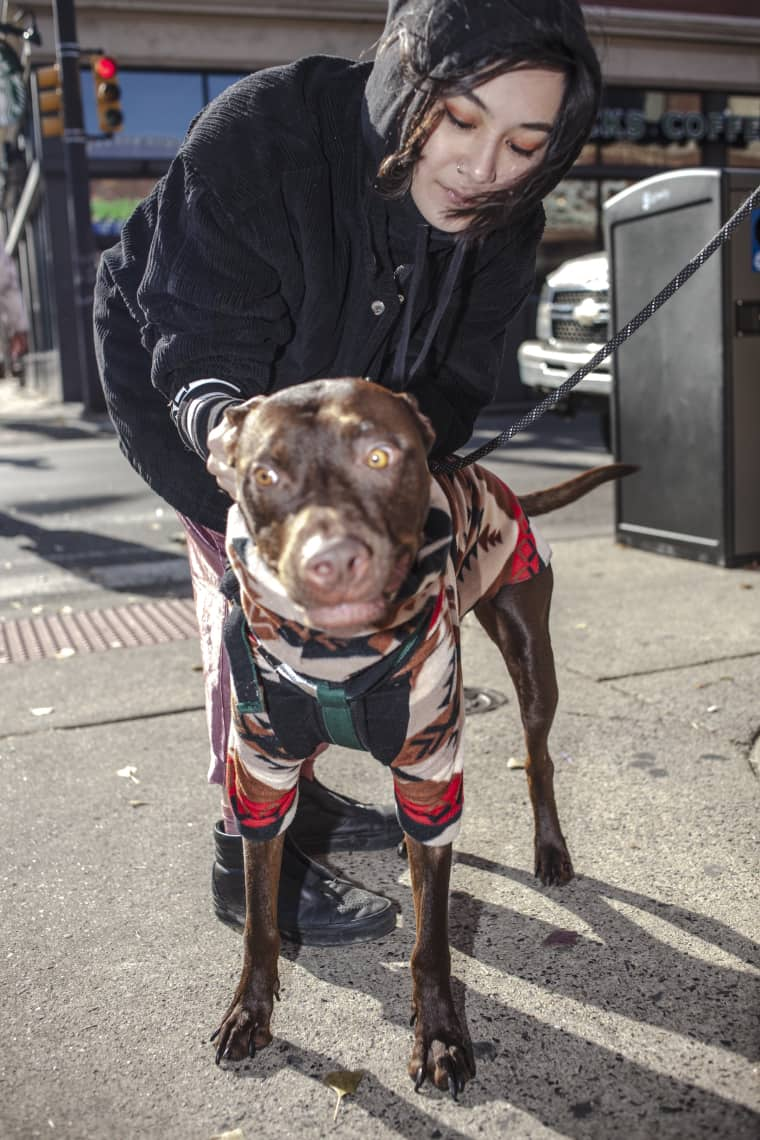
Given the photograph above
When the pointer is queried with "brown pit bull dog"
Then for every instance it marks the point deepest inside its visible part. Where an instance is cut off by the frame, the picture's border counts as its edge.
(354, 568)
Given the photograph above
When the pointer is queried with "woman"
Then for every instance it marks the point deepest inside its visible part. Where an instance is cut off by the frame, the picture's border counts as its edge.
(332, 218)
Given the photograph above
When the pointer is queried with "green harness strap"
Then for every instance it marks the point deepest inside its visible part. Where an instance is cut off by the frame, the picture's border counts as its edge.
(336, 714)
(335, 702)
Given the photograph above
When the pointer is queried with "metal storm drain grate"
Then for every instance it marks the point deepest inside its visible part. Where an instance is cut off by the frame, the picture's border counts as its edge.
(63, 634)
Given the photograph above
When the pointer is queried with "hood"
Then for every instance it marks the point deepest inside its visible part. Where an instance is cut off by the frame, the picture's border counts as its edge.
(452, 38)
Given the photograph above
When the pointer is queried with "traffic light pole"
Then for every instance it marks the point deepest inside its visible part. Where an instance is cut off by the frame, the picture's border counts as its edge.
(78, 205)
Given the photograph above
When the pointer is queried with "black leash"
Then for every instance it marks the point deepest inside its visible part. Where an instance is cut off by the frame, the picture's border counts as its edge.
(457, 462)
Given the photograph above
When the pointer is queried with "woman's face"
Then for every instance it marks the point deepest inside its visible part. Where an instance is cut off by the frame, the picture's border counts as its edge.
(485, 140)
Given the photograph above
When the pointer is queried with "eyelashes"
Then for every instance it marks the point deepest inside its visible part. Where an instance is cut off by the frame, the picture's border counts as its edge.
(462, 124)
(521, 150)
(465, 125)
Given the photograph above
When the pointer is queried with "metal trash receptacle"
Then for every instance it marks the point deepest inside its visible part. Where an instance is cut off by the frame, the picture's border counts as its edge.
(686, 393)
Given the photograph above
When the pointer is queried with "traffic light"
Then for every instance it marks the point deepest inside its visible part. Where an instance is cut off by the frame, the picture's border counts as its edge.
(105, 72)
(50, 101)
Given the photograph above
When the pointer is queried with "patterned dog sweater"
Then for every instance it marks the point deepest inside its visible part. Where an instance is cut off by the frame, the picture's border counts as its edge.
(395, 692)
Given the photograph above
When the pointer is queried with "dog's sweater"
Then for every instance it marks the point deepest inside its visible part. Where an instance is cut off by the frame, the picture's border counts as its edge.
(409, 716)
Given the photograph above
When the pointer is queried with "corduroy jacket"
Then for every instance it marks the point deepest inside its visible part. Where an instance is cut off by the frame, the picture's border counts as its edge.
(264, 257)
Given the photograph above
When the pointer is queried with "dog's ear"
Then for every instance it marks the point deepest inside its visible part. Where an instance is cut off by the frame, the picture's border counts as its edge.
(234, 418)
(423, 423)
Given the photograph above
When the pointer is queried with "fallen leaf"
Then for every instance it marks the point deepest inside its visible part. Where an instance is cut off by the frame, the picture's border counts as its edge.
(343, 1082)
(42, 711)
(713, 708)
(236, 1134)
(561, 938)
(128, 773)
(513, 762)
(64, 652)
(581, 625)
(37, 609)
(139, 803)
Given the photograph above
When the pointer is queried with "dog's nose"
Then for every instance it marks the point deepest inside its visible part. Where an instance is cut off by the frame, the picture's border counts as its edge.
(335, 563)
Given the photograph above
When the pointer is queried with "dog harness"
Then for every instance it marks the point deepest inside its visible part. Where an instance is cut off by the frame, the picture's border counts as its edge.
(396, 692)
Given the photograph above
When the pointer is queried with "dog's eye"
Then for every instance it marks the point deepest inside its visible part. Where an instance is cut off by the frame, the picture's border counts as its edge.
(378, 458)
(264, 476)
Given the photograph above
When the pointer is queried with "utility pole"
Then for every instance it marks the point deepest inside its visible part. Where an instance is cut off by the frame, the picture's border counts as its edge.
(68, 53)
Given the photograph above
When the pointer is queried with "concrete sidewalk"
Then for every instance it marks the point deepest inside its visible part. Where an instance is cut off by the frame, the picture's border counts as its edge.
(623, 1004)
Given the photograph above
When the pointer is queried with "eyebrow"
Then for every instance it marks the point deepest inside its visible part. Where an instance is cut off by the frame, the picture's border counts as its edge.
(547, 127)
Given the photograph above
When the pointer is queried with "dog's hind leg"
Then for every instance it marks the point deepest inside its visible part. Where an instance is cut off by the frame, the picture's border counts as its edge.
(440, 1049)
(517, 620)
(245, 1026)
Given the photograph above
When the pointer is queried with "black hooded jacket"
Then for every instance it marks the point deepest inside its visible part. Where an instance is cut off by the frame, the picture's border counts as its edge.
(265, 258)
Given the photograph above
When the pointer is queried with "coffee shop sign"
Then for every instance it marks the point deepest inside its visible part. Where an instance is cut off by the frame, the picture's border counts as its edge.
(616, 124)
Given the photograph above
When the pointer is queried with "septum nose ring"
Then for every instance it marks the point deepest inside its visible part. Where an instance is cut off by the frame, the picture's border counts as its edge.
(460, 168)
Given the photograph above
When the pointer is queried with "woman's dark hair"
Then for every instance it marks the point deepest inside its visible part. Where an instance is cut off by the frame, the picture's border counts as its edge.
(423, 111)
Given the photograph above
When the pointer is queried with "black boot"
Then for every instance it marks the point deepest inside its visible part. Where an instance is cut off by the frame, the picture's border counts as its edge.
(326, 821)
(313, 908)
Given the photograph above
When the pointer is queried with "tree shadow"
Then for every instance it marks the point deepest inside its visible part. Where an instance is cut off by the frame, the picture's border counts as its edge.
(26, 463)
(60, 429)
(82, 552)
(573, 1085)
(628, 967)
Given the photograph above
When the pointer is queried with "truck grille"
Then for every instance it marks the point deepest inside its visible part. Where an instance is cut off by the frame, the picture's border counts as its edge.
(567, 329)
(574, 333)
(574, 297)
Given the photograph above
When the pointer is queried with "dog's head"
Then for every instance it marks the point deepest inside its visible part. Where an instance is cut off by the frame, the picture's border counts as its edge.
(333, 485)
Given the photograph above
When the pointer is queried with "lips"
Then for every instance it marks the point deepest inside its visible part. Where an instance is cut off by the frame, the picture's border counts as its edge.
(456, 199)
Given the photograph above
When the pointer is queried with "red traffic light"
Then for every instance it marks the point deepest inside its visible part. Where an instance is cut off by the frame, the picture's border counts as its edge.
(105, 67)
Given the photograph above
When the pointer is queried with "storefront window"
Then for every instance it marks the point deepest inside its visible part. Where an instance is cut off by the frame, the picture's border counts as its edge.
(112, 200)
(157, 105)
(649, 128)
(574, 219)
(747, 109)
(673, 129)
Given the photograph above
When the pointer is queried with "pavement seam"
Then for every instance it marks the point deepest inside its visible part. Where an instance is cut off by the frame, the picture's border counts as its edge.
(103, 722)
(664, 669)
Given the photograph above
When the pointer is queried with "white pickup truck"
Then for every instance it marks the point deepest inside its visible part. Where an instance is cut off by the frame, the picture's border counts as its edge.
(572, 323)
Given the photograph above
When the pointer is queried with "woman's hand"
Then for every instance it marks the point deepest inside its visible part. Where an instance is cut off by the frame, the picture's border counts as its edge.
(219, 438)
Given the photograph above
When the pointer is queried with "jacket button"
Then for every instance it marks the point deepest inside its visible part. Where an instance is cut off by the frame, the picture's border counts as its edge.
(378, 308)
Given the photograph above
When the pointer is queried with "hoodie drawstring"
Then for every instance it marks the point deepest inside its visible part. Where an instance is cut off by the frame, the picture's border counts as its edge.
(400, 373)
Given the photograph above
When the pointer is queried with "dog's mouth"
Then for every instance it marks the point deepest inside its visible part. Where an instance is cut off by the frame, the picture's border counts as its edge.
(349, 615)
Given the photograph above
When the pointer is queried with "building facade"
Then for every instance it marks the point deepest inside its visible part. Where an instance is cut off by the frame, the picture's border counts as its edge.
(682, 88)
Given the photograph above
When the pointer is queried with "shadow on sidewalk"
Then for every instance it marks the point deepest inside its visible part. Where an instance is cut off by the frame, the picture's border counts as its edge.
(571, 1084)
(81, 552)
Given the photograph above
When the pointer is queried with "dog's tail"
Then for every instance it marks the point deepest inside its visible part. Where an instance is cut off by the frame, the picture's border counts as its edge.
(552, 498)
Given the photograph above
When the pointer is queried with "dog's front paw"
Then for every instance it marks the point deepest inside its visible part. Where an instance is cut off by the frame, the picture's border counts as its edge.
(554, 867)
(440, 1051)
(245, 1029)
